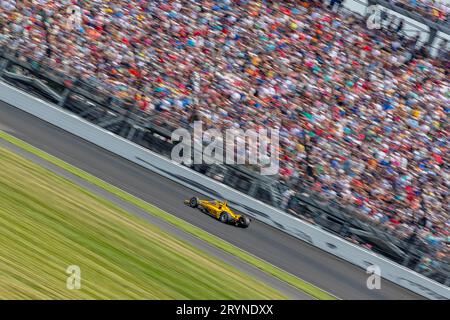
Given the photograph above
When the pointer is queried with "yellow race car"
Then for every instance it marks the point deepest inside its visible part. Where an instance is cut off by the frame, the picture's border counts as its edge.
(220, 211)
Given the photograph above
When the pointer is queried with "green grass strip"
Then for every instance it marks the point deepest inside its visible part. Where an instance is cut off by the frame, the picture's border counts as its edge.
(296, 282)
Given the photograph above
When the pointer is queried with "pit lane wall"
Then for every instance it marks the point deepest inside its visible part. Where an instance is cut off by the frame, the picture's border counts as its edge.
(211, 188)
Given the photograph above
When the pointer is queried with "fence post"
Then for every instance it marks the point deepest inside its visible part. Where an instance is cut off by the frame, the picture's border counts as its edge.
(64, 97)
(3, 65)
(431, 37)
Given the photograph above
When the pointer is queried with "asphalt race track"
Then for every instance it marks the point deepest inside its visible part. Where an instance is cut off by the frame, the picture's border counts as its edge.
(328, 272)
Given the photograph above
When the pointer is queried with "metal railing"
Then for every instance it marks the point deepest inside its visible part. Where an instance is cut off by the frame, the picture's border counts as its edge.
(431, 27)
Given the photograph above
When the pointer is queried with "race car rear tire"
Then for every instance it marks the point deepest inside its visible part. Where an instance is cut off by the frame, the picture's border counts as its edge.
(224, 217)
(193, 202)
(244, 222)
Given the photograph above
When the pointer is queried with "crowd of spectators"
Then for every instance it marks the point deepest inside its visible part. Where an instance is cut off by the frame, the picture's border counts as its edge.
(363, 114)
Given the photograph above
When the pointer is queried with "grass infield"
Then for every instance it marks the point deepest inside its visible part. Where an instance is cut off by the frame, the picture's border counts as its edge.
(183, 225)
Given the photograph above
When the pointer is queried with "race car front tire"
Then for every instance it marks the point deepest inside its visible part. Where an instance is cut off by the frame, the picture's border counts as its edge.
(193, 202)
(224, 217)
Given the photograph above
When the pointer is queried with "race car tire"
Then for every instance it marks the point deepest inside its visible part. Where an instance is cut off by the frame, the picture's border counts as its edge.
(224, 217)
(193, 202)
(244, 222)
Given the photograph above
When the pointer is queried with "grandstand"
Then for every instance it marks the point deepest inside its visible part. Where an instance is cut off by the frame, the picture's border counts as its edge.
(362, 113)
